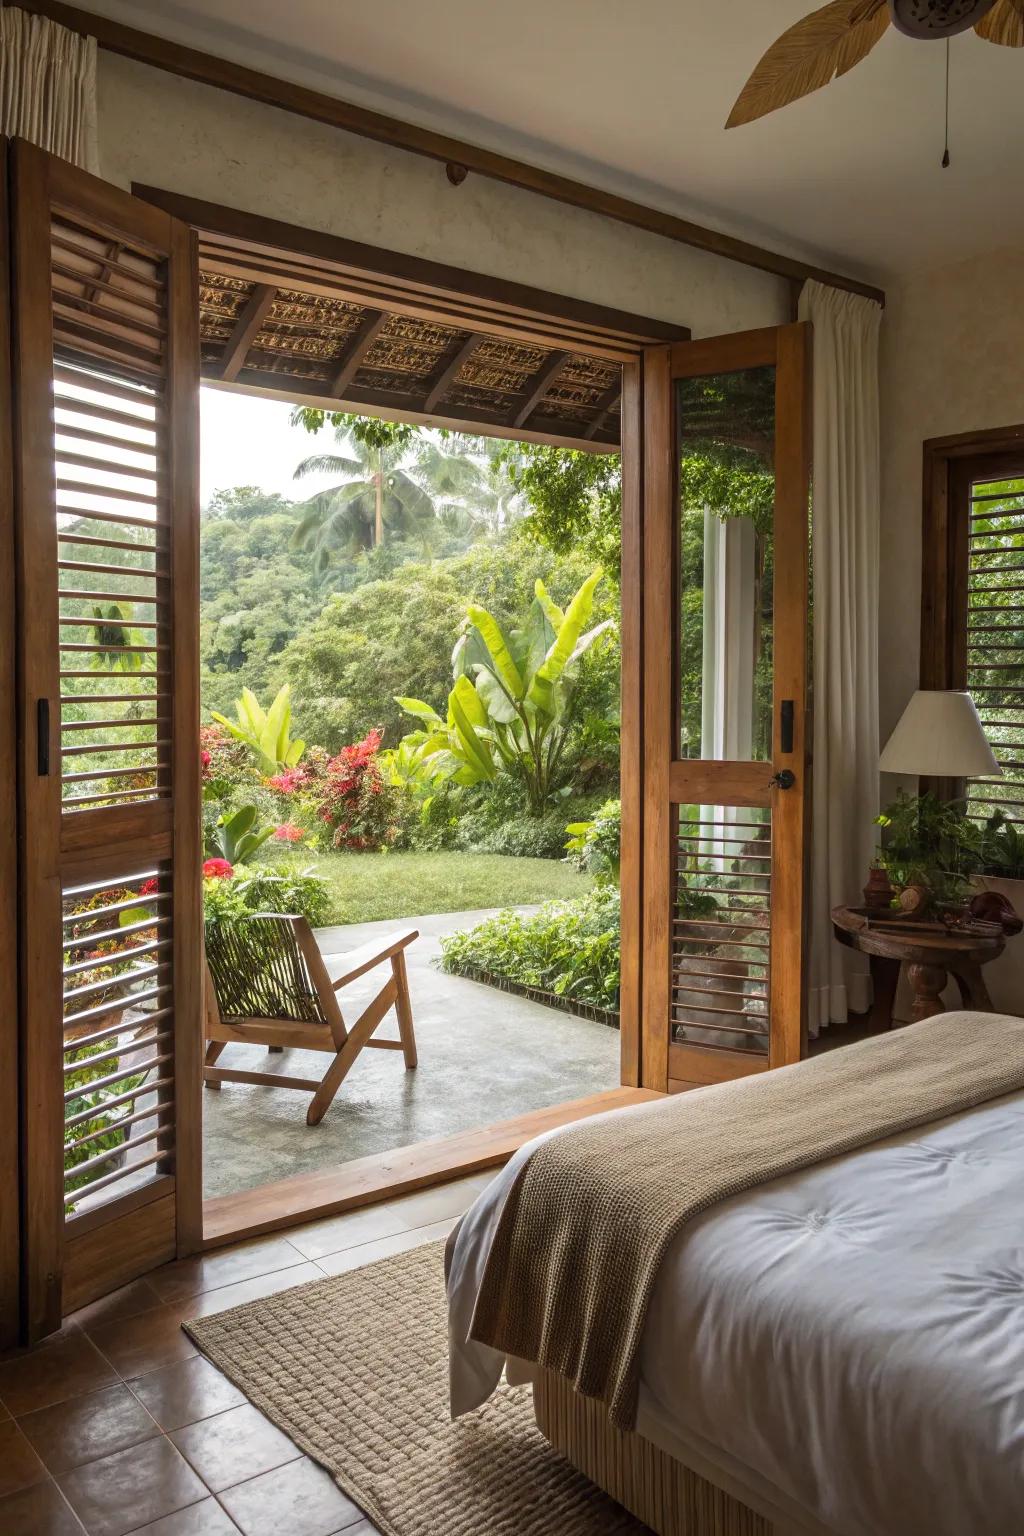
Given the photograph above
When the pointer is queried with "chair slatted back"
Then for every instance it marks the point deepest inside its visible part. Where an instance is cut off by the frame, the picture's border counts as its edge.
(259, 969)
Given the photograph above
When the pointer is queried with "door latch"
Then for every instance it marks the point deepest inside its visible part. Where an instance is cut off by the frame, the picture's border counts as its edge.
(784, 779)
(42, 737)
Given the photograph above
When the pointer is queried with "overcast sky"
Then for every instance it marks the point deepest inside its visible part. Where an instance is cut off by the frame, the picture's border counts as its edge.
(248, 441)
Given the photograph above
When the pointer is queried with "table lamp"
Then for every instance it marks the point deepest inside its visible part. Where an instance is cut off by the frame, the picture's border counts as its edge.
(939, 734)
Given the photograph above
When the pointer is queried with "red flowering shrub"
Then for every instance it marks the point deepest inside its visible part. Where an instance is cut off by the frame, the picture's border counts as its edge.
(359, 805)
(288, 832)
(217, 869)
(223, 757)
(289, 782)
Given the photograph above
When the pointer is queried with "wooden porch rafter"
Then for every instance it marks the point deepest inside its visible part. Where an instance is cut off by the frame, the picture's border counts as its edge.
(373, 323)
(247, 327)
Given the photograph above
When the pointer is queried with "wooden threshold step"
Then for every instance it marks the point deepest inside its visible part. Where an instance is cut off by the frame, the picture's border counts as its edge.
(367, 1180)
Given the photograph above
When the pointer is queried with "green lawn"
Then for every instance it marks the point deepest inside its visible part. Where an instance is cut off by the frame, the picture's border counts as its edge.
(370, 886)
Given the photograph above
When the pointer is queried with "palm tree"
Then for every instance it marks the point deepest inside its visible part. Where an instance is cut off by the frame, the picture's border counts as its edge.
(391, 490)
(375, 497)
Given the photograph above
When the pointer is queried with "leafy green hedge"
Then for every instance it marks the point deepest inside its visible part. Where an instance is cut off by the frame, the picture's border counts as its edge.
(300, 892)
(568, 948)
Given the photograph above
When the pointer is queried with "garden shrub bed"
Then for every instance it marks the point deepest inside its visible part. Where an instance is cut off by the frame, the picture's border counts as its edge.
(568, 951)
(580, 1010)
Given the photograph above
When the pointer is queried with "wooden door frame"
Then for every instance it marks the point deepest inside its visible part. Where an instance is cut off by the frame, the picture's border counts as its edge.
(10, 1156)
(288, 1200)
(787, 349)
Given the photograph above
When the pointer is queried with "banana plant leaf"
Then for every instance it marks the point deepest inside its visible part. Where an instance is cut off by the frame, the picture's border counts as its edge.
(495, 700)
(499, 656)
(419, 710)
(551, 608)
(542, 685)
(468, 715)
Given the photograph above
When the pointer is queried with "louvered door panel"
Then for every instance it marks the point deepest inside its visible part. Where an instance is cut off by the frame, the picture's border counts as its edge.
(106, 397)
(114, 591)
(721, 949)
(118, 1022)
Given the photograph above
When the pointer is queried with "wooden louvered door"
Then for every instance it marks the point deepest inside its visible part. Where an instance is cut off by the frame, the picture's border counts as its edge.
(105, 369)
(726, 496)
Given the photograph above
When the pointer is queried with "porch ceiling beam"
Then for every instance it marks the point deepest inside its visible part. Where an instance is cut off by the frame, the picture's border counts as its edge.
(250, 318)
(541, 384)
(192, 64)
(408, 408)
(447, 376)
(374, 322)
(604, 405)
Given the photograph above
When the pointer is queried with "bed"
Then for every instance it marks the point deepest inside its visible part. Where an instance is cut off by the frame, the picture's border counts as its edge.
(839, 1352)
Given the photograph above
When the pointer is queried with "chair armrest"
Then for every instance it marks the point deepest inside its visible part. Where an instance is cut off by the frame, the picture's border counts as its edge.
(358, 961)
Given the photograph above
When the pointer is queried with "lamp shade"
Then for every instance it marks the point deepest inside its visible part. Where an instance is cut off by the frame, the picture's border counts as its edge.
(939, 734)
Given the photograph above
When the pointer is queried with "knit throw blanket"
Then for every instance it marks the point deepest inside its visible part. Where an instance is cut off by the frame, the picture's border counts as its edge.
(587, 1223)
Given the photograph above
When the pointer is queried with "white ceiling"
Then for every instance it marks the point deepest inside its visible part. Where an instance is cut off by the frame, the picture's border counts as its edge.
(631, 95)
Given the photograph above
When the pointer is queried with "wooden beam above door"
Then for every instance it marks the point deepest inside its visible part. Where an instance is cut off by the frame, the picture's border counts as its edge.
(374, 322)
(192, 64)
(247, 327)
(448, 374)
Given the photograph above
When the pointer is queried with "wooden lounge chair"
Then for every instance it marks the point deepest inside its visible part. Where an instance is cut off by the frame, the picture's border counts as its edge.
(268, 984)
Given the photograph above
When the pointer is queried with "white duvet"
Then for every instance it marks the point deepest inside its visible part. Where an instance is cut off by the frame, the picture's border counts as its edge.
(846, 1344)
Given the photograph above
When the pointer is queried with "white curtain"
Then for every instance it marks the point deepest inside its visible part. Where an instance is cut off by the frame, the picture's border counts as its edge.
(48, 86)
(845, 555)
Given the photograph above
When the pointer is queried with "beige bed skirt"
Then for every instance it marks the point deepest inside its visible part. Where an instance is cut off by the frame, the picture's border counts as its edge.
(666, 1495)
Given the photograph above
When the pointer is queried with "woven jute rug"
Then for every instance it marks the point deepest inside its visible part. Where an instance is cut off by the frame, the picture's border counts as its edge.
(355, 1370)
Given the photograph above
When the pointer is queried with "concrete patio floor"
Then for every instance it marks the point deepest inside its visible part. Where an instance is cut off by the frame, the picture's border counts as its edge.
(484, 1055)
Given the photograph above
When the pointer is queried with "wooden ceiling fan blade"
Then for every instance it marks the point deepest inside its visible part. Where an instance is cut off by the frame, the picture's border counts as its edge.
(1004, 24)
(827, 43)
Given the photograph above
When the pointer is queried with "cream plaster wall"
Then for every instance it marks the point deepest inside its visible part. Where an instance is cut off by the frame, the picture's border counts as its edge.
(167, 132)
(952, 361)
(952, 339)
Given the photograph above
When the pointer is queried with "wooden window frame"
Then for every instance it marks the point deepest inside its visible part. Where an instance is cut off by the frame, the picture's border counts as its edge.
(950, 463)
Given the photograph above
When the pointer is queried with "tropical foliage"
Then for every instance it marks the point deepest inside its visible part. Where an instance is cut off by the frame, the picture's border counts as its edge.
(935, 844)
(511, 709)
(569, 949)
(267, 733)
(236, 891)
(595, 846)
(234, 835)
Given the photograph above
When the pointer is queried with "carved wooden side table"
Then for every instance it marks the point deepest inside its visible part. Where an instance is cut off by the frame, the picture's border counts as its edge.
(931, 952)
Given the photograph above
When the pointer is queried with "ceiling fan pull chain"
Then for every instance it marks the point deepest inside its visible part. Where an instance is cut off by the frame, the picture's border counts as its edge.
(945, 152)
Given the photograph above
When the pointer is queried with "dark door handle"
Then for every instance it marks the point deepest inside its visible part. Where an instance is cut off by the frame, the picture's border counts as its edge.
(43, 737)
(784, 779)
(786, 725)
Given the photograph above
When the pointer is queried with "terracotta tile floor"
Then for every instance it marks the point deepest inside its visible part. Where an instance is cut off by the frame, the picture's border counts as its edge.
(118, 1424)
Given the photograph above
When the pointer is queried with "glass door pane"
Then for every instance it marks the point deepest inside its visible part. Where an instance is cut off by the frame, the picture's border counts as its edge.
(726, 437)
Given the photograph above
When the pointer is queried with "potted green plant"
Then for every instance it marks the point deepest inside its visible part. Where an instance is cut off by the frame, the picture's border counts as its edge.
(929, 847)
